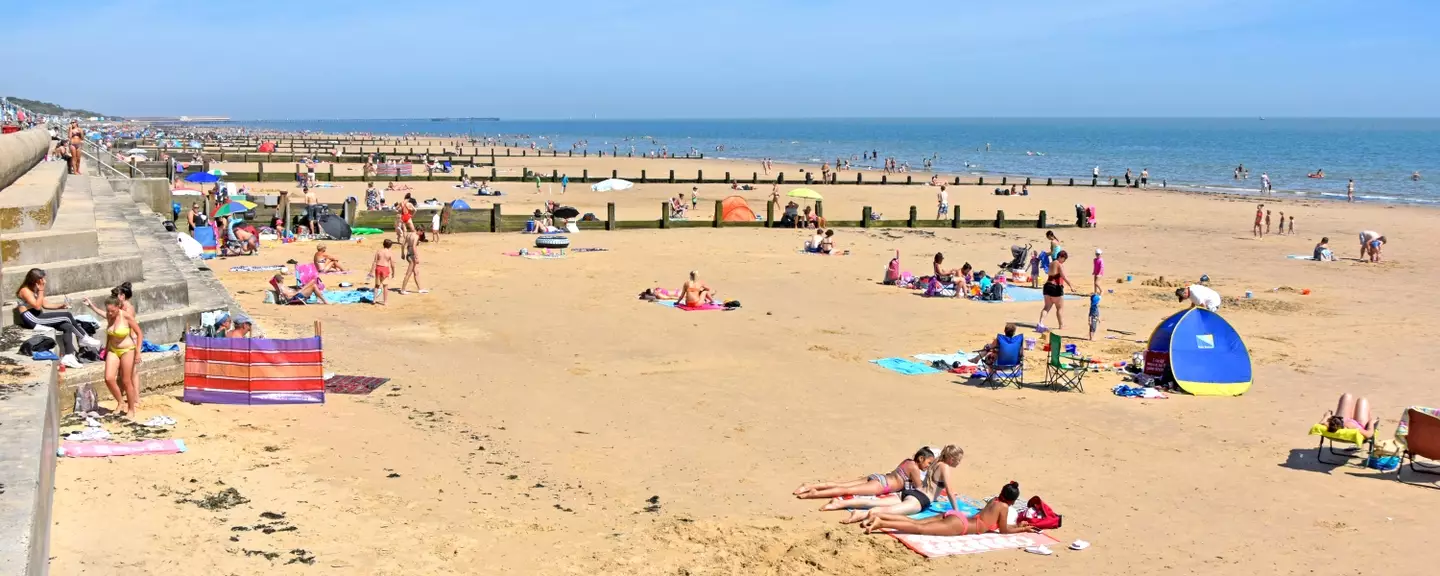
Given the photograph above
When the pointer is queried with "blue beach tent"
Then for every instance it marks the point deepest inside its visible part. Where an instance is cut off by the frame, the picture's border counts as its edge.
(1202, 351)
(459, 204)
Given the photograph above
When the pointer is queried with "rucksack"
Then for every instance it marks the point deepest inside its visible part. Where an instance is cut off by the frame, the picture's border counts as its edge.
(1039, 514)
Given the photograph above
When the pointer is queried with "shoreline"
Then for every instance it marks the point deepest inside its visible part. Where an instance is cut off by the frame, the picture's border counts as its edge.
(1229, 187)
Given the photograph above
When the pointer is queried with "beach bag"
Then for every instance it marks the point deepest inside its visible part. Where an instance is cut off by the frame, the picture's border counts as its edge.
(1040, 515)
(996, 293)
(37, 343)
(892, 271)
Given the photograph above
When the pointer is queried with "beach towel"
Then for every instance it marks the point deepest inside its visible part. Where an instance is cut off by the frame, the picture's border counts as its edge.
(274, 268)
(353, 384)
(1346, 435)
(104, 449)
(346, 297)
(904, 366)
(579, 250)
(959, 357)
(1025, 294)
(149, 347)
(939, 546)
(700, 308)
(1301, 256)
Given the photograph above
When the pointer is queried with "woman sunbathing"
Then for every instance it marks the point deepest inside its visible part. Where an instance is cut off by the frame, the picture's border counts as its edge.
(1350, 413)
(907, 475)
(937, 481)
(994, 517)
(325, 263)
(695, 293)
(287, 295)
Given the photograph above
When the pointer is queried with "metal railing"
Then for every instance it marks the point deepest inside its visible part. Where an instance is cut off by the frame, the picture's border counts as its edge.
(106, 159)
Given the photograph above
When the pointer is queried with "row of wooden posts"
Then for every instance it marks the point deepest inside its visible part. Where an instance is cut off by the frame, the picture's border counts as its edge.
(494, 220)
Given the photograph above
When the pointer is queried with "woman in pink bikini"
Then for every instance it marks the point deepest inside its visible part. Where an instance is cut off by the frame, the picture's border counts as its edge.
(1350, 413)
(994, 517)
(909, 474)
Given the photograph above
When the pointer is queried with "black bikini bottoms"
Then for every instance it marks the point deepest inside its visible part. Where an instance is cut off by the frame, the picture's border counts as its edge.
(918, 495)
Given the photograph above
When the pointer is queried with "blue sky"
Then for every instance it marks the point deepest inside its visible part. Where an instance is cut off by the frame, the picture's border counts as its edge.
(742, 58)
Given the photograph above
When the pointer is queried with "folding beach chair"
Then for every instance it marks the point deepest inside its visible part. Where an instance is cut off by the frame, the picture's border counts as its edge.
(1008, 365)
(1419, 431)
(1362, 447)
(1064, 371)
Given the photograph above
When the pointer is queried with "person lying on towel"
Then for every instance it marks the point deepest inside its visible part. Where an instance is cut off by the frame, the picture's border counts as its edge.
(938, 475)
(909, 474)
(994, 517)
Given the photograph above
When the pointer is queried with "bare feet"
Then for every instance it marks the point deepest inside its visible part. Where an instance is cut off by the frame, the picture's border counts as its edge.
(802, 489)
(834, 504)
(856, 516)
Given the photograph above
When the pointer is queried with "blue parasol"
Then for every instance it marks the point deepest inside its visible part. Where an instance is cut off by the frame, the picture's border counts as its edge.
(202, 178)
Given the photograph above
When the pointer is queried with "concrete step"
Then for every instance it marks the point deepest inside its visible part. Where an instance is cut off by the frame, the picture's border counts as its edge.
(118, 256)
(71, 235)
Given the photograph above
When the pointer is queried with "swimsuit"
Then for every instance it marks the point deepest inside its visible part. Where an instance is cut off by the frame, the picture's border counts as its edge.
(1053, 287)
(122, 333)
(382, 272)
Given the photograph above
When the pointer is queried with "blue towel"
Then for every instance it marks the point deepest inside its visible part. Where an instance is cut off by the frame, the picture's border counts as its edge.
(904, 366)
(45, 355)
(347, 297)
(148, 346)
(968, 507)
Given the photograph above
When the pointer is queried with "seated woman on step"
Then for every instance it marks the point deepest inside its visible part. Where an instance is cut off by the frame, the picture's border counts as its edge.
(34, 309)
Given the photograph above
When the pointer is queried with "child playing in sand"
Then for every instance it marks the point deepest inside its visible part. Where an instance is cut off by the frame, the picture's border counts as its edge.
(382, 269)
(1099, 270)
(1094, 313)
(1282, 224)
(1267, 222)
(1292, 226)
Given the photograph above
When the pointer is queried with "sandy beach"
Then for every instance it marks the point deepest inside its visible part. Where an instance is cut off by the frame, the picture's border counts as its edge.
(541, 420)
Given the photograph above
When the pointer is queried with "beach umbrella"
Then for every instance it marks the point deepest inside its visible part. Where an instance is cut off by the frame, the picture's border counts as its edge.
(805, 193)
(217, 172)
(565, 212)
(202, 178)
(233, 207)
(612, 184)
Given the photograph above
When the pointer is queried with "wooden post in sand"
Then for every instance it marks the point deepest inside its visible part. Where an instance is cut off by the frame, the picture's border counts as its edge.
(1049, 181)
(642, 176)
(999, 218)
(780, 178)
(1004, 180)
(727, 177)
(982, 181)
(609, 215)
(332, 171)
(672, 176)
(884, 179)
(1041, 222)
(700, 176)
(754, 177)
(495, 217)
(260, 172)
(909, 179)
(664, 215)
(614, 173)
(859, 177)
(865, 217)
(955, 215)
(769, 213)
(1027, 180)
(913, 214)
(719, 213)
(585, 175)
(492, 174)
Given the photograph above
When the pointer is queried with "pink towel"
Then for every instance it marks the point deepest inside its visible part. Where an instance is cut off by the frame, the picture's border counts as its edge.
(103, 449)
(937, 546)
(699, 308)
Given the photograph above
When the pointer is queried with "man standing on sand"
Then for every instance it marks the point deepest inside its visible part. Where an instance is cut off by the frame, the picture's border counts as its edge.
(943, 199)
(1095, 173)
(1257, 231)
(1265, 183)
(1350, 190)
(1144, 177)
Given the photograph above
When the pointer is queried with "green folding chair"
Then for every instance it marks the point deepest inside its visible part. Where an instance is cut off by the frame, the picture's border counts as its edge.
(1064, 371)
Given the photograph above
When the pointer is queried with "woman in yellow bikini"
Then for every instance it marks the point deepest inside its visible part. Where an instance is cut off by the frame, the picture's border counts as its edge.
(122, 338)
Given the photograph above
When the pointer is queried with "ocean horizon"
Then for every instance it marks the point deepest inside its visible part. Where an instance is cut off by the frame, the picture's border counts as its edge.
(1202, 154)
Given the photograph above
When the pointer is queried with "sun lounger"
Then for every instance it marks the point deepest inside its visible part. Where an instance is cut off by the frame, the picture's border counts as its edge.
(1419, 433)
(1344, 436)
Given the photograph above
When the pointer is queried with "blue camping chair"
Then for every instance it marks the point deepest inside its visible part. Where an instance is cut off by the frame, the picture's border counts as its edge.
(446, 167)
(1008, 366)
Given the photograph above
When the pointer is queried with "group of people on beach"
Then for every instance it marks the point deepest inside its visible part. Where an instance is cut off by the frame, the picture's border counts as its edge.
(925, 482)
(123, 335)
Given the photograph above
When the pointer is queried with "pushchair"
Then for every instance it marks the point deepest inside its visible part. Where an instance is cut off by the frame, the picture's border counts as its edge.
(1019, 257)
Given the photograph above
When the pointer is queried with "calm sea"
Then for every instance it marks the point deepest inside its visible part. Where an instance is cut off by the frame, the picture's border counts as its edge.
(1379, 154)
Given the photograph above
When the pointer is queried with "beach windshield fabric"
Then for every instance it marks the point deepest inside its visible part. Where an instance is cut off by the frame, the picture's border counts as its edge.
(254, 370)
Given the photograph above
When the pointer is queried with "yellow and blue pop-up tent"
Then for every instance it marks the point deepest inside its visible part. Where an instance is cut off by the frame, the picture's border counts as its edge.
(1205, 355)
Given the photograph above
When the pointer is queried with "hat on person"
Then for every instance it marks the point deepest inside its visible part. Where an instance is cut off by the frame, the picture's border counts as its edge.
(221, 320)
(241, 319)
(1097, 251)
